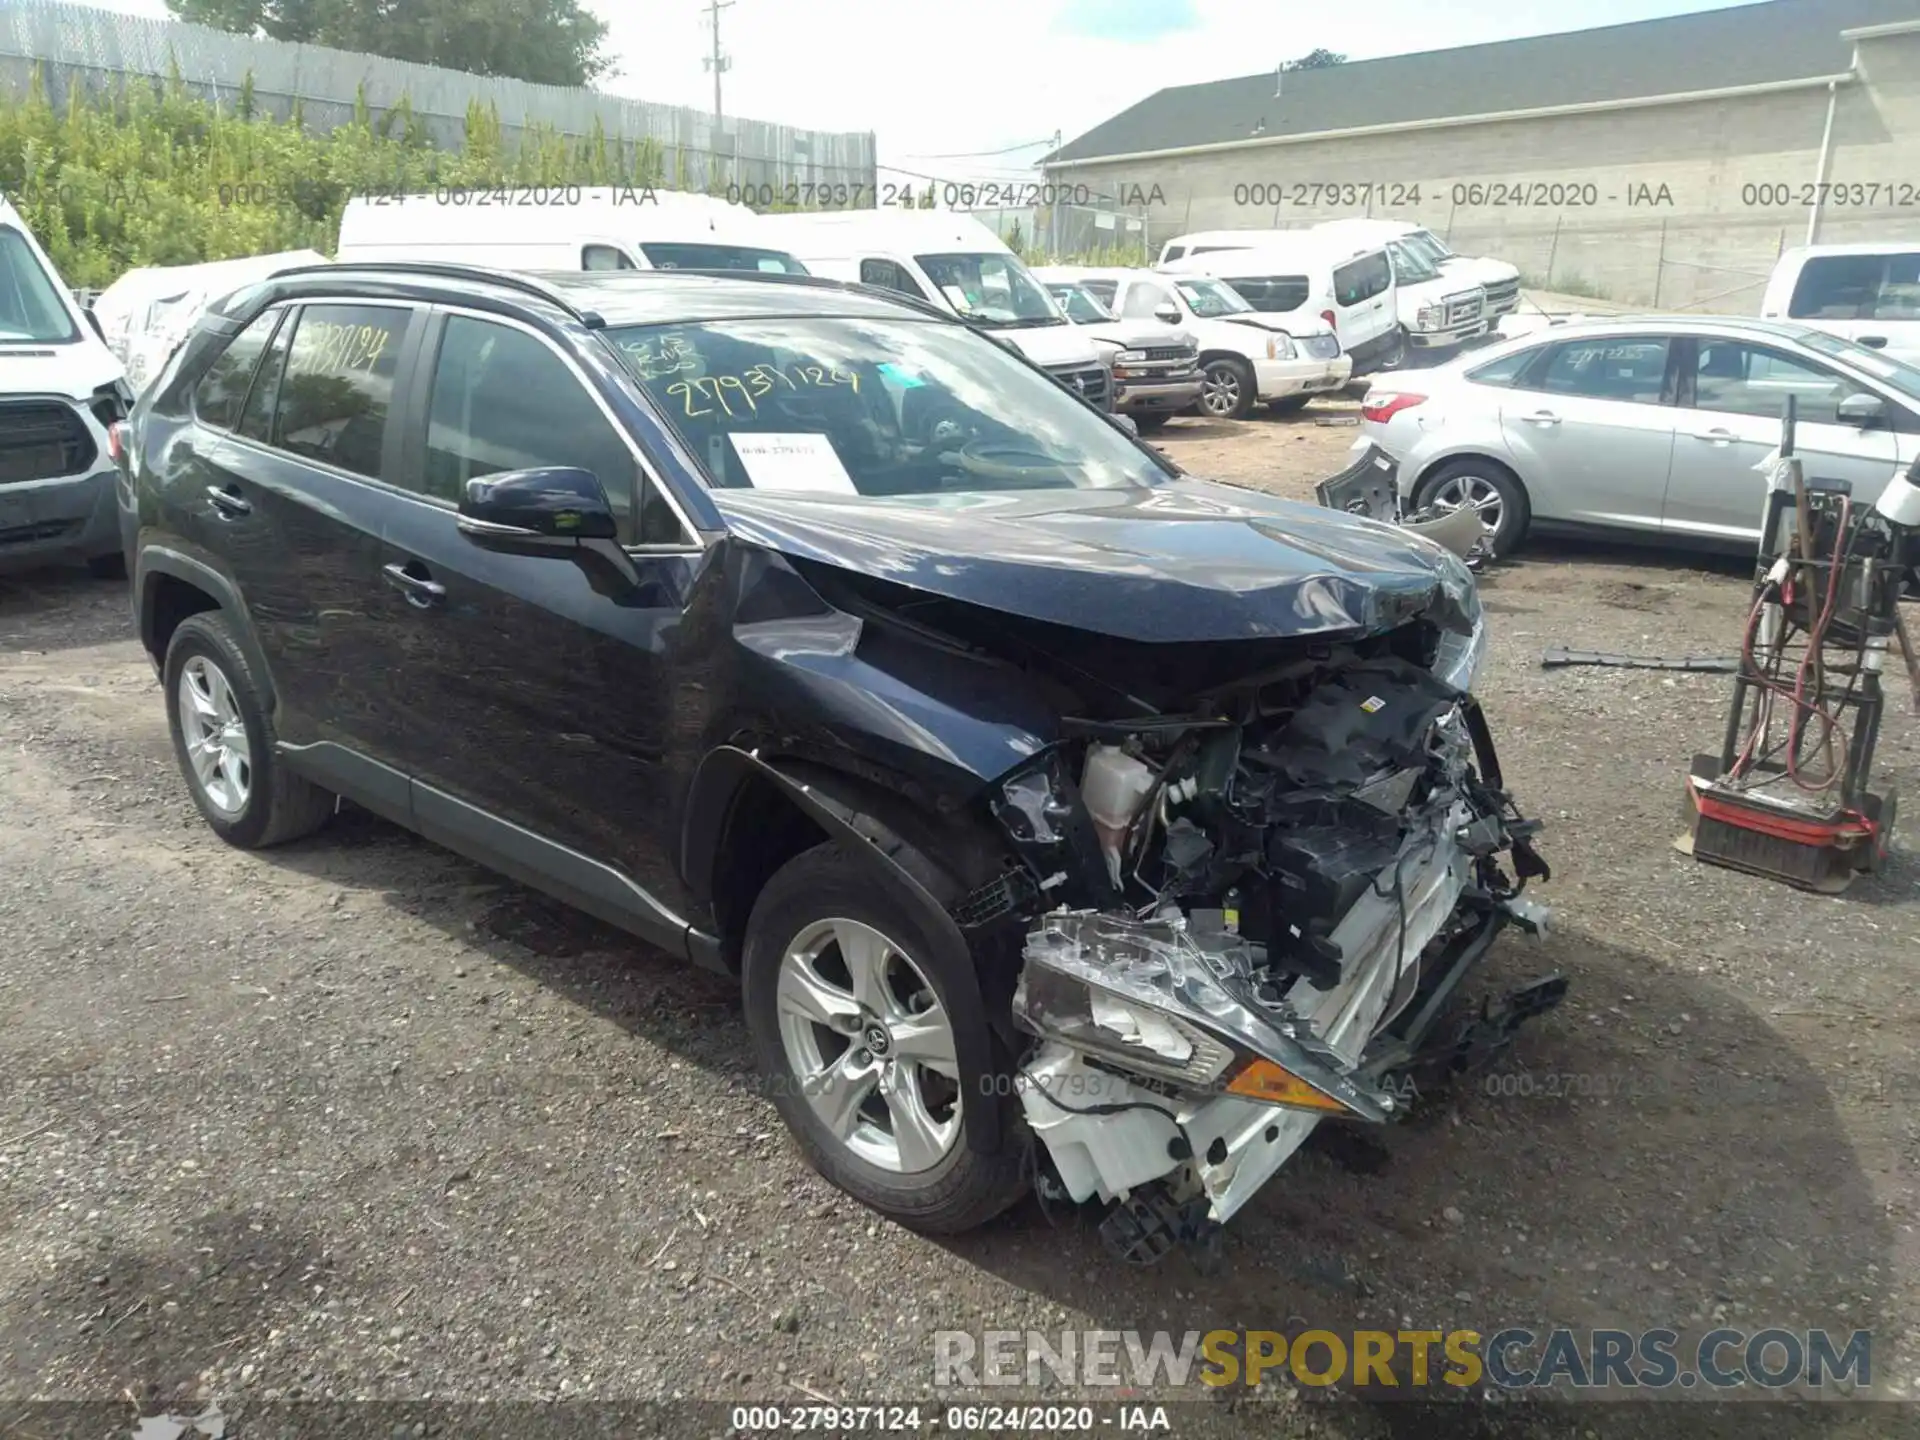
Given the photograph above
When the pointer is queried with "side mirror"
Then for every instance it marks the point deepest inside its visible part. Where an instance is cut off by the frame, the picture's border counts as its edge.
(1862, 410)
(1167, 315)
(544, 510)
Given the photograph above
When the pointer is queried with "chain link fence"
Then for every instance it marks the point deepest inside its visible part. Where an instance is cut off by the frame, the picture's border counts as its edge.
(77, 45)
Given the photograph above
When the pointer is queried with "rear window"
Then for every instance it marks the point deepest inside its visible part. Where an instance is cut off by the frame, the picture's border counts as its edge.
(1272, 294)
(1858, 287)
(721, 257)
(1361, 279)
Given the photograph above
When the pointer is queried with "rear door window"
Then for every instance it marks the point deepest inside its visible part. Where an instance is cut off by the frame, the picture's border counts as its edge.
(1506, 370)
(222, 391)
(1361, 279)
(1610, 368)
(339, 384)
(1858, 287)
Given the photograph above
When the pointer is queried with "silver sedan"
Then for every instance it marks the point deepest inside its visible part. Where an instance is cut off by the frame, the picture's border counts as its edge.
(1644, 426)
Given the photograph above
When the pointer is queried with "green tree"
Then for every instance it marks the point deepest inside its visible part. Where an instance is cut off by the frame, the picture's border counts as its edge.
(1321, 59)
(549, 42)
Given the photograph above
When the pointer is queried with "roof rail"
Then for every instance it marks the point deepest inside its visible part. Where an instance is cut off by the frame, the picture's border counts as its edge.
(453, 270)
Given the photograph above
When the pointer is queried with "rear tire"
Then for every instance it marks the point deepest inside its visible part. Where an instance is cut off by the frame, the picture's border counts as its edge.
(224, 740)
(830, 959)
(1229, 392)
(1490, 488)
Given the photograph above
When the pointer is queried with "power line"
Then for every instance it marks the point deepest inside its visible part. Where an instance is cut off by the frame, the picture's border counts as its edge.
(970, 154)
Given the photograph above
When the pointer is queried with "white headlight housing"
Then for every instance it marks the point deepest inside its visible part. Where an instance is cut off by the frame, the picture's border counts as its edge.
(1279, 347)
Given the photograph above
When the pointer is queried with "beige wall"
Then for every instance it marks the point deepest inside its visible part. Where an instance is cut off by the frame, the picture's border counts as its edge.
(1709, 249)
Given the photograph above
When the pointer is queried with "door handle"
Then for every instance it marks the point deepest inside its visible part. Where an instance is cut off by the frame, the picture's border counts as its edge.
(419, 590)
(1542, 417)
(1874, 342)
(228, 501)
(1716, 436)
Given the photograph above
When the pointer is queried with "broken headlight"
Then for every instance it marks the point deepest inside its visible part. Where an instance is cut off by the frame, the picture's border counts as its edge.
(1460, 657)
(1152, 998)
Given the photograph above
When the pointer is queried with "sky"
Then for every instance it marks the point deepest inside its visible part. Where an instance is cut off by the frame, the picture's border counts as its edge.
(943, 82)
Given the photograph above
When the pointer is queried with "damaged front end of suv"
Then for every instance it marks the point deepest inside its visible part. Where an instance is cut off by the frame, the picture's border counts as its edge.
(1263, 843)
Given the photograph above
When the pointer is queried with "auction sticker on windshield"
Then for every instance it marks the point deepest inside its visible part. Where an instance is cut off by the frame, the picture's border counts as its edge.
(793, 462)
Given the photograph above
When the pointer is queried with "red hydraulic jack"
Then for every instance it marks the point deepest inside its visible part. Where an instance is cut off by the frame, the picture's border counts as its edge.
(1788, 796)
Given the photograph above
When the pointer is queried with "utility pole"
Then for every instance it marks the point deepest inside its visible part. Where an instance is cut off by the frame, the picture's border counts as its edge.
(719, 64)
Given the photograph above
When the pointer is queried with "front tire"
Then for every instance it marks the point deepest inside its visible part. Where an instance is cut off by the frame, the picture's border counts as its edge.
(107, 567)
(1148, 421)
(855, 1019)
(224, 740)
(1485, 486)
(1227, 391)
(1289, 404)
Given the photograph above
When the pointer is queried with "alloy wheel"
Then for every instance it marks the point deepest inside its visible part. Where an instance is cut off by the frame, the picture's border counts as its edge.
(215, 735)
(1476, 492)
(869, 1044)
(1220, 392)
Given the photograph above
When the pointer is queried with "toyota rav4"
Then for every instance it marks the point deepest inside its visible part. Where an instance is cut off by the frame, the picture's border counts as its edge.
(1066, 821)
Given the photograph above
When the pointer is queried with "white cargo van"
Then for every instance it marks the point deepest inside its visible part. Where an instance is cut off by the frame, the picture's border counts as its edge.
(572, 228)
(1350, 287)
(1500, 280)
(62, 398)
(1867, 292)
(1437, 310)
(1246, 358)
(952, 261)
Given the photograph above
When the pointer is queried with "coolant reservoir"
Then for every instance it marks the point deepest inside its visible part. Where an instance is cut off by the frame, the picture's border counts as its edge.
(1114, 786)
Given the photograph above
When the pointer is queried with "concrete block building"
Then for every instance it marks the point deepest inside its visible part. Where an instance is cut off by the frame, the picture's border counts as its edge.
(1664, 162)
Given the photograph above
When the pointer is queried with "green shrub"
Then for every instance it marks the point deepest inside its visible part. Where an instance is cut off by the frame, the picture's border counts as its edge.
(156, 175)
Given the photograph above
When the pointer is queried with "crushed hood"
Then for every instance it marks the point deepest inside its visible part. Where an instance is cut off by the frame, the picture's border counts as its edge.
(1179, 562)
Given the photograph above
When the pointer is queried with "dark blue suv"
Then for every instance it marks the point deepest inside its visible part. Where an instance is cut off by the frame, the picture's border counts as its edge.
(1031, 788)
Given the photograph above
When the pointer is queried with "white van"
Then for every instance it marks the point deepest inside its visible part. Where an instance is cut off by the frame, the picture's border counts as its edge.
(1867, 292)
(1497, 278)
(1500, 280)
(62, 398)
(1246, 358)
(952, 261)
(1437, 311)
(1350, 287)
(572, 228)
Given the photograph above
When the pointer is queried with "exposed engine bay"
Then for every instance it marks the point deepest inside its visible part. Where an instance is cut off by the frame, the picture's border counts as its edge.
(1245, 917)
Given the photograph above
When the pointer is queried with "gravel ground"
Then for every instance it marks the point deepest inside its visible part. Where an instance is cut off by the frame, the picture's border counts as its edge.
(356, 1119)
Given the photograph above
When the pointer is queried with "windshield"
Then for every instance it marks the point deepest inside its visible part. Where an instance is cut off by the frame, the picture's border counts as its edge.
(30, 307)
(1209, 299)
(1896, 373)
(990, 289)
(1080, 306)
(1409, 265)
(698, 256)
(877, 408)
(1428, 245)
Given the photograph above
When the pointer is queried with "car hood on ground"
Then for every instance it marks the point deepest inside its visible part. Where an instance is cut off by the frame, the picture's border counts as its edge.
(1179, 562)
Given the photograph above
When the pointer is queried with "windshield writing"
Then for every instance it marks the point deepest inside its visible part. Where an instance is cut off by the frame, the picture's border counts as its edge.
(872, 408)
(1209, 299)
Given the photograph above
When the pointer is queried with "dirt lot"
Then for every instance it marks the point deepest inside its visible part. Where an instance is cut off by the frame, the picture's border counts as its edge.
(358, 1119)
